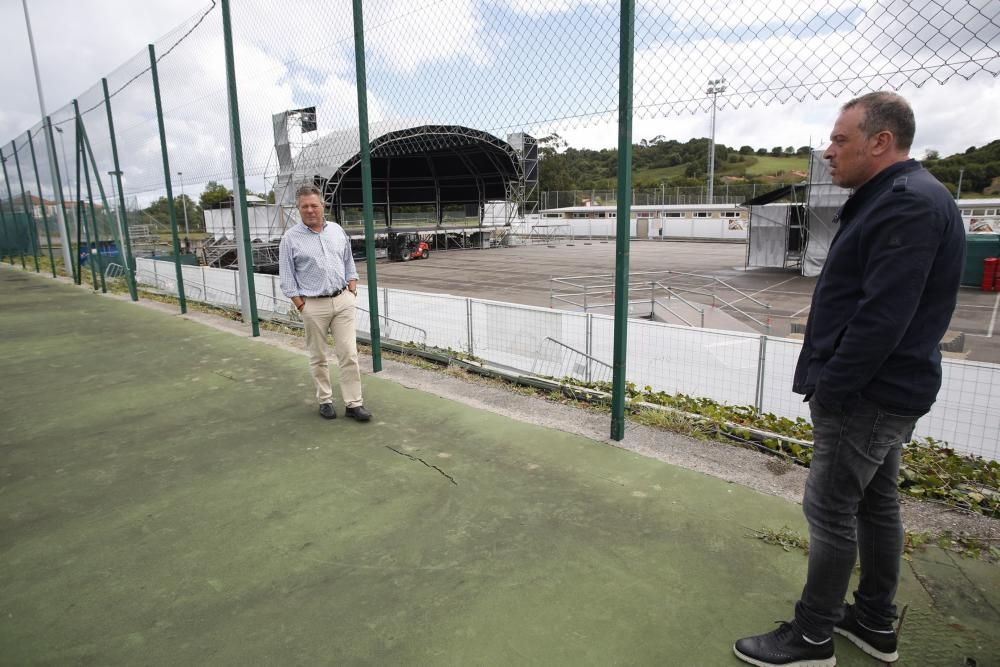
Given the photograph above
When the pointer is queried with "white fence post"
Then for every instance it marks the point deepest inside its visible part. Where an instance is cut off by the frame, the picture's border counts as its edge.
(761, 362)
(468, 325)
(590, 344)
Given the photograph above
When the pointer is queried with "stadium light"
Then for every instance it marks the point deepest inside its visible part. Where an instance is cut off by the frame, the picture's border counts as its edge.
(715, 86)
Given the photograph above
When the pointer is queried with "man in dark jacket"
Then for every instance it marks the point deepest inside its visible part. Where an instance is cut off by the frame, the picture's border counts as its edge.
(869, 367)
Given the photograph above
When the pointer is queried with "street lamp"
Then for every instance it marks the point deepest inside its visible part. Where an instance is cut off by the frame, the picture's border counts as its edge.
(187, 234)
(715, 86)
(958, 193)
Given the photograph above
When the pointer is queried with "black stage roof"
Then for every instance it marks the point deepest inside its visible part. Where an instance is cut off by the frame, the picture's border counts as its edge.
(430, 165)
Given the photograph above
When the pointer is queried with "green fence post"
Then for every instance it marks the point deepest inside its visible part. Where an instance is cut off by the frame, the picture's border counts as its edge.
(31, 230)
(366, 185)
(82, 229)
(625, 61)
(123, 213)
(240, 190)
(41, 199)
(67, 238)
(166, 181)
(13, 215)
(5, 248)
(100, 188)
(96, 259)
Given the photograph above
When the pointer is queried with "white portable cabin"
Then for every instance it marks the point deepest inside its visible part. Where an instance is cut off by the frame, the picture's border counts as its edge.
(710, 222)
(980, 215)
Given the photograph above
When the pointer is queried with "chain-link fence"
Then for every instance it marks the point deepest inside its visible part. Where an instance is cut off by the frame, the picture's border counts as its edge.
(498, 71)
(465, 103)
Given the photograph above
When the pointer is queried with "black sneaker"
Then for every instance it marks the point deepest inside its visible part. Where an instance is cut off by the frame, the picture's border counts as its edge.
(785, 646)
(358, 413)
(879, 644)
(327, 411)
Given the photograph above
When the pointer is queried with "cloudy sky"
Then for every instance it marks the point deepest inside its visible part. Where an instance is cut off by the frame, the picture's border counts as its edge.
(503, 65)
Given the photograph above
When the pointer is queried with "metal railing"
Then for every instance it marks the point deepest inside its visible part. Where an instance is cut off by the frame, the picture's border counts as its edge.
(571, 362)
(590, 293)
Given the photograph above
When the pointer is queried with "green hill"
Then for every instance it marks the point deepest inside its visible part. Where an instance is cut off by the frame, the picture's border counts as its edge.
(978, 168)
(667, 163)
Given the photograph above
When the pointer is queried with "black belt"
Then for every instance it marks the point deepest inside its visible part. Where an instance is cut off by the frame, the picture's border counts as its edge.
(329, 296)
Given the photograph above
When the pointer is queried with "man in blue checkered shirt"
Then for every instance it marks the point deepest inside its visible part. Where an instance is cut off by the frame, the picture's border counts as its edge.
(318, 274)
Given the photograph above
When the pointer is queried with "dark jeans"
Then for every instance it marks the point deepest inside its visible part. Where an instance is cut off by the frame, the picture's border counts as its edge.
(853, 510)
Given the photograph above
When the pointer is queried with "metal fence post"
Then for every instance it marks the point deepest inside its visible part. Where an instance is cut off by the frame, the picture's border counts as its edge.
(761, 362)
(366, 183)
(41, 201)
(468, 324)
(82, 230)
(31, 230)
(166, 180)
(13, 215)
(67, 236)
(97, 261)
(239, 189)
(590, 344)
(274, 295)
(625, 61)
(3, 225)
(127, 257)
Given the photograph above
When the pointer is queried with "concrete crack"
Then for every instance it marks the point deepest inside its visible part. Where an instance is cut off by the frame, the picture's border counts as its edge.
(414, 458)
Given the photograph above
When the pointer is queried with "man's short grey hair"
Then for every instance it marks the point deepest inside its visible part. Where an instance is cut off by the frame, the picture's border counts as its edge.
(307, 190)
(886, 111)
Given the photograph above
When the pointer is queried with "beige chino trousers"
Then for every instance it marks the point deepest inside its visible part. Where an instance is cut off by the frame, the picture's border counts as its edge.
(321, 315)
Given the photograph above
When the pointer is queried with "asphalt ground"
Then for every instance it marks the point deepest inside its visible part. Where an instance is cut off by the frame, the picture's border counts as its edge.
(522, 274)
(170, 497)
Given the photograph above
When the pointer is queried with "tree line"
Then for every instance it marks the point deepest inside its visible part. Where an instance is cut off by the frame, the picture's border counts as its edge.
(666, 162)
(977, 168)
(215, 195)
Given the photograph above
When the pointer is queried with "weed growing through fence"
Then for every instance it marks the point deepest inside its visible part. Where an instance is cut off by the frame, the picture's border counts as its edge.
(930, 469)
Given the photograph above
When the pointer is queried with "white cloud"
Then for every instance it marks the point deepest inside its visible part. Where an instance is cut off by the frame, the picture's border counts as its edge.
(950, 119)
(284, 62)
(404, 37)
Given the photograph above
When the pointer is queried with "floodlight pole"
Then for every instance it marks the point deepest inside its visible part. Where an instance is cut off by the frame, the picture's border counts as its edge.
(625, 69)
(715, 86)
(54, 168)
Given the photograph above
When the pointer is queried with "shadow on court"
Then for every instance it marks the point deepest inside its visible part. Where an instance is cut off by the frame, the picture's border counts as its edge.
(169, 496)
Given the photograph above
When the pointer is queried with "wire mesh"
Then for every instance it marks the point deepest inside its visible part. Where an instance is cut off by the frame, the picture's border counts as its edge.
(471, 83)
(501, 68)
(728, 367)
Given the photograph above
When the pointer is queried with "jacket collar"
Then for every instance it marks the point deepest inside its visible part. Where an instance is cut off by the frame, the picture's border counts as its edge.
(876, 184)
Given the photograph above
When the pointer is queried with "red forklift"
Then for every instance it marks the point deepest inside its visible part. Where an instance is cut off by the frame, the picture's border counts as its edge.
(403, 247)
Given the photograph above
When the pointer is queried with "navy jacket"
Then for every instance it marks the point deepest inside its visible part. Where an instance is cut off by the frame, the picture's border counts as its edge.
(885, 296)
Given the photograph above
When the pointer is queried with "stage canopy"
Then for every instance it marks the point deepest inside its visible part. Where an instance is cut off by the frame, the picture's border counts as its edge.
(432, 166)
